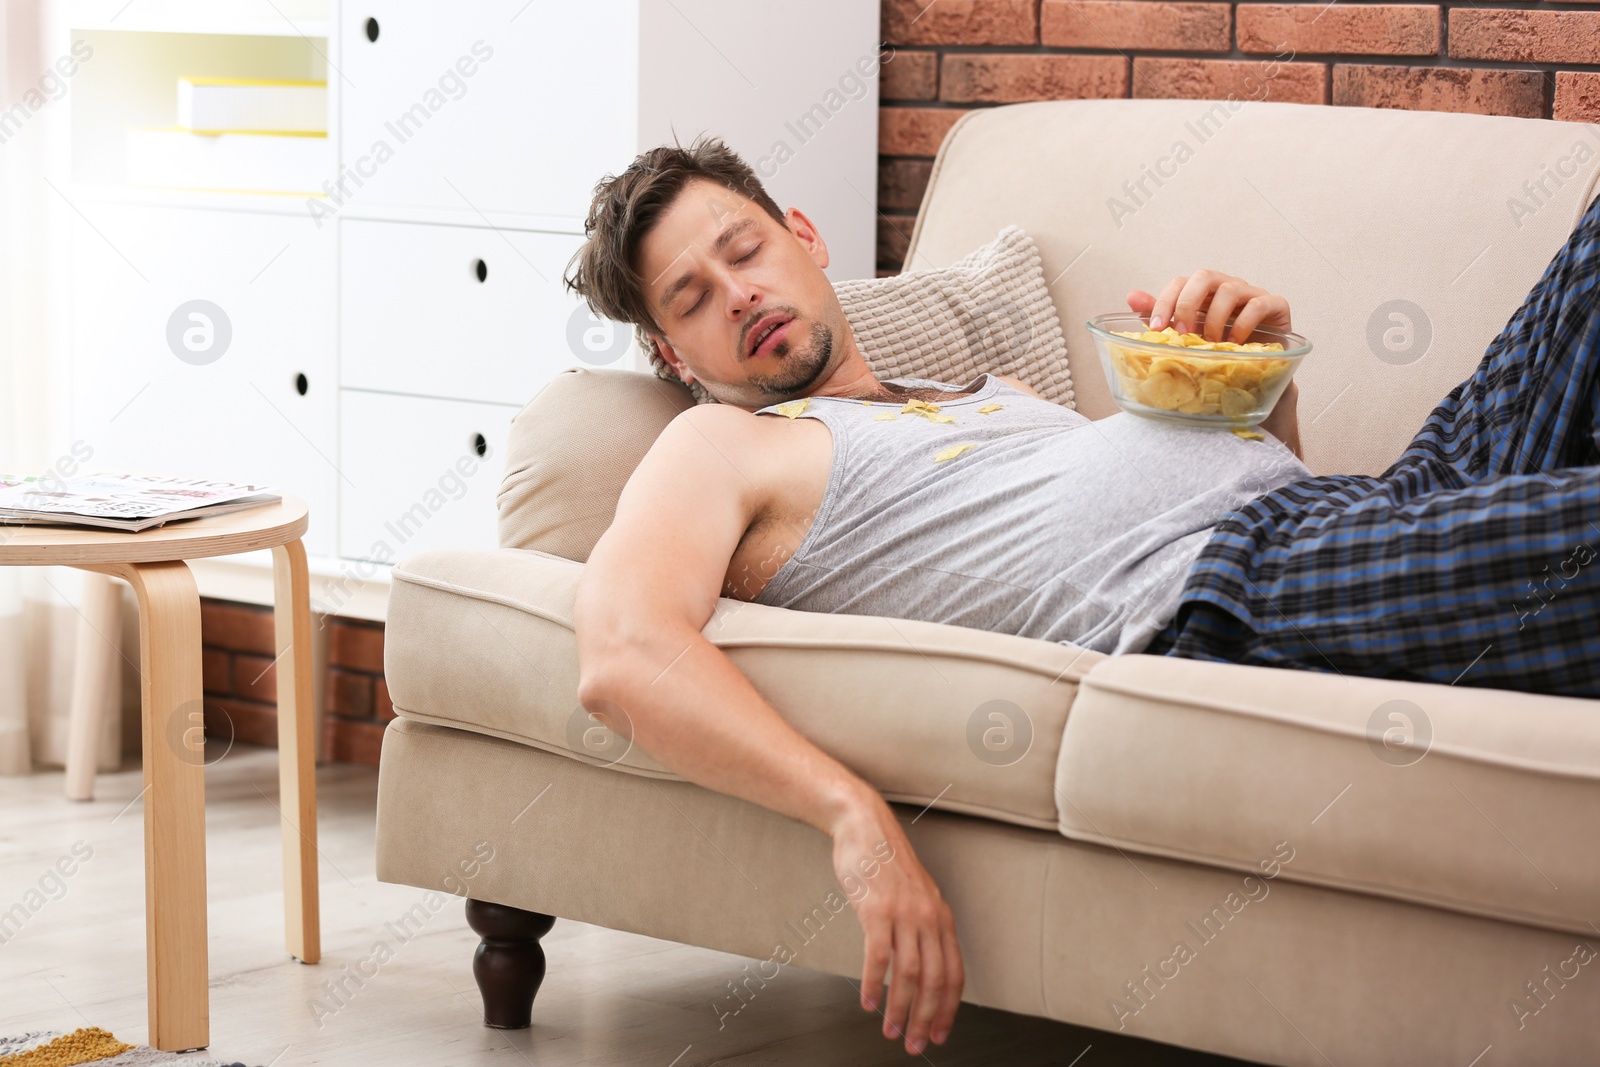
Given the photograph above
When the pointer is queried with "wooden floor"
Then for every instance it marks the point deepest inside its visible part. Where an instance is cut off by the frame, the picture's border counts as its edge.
(609, 998)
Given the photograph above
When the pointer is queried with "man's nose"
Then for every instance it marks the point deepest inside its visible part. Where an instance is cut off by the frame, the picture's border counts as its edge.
(745, 302)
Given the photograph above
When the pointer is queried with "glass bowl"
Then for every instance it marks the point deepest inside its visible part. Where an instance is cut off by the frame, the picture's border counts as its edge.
(1194, 385)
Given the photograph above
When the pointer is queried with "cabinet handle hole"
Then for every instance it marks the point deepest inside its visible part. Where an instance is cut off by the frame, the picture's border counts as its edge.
(301, 384)
(372, 29)
(480, 445)
(480, 269)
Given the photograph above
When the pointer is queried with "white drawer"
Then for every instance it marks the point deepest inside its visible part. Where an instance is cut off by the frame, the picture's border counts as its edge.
(418, 474)
(247, 392)
(494, 105)
(463, 312)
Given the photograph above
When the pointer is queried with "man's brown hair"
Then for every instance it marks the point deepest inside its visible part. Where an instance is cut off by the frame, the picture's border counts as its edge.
(624, 208)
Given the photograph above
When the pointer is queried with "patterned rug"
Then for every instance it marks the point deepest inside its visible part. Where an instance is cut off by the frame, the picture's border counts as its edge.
(52, 1048)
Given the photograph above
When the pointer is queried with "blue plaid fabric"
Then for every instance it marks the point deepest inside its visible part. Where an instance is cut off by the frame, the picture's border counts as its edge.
(1471, 560)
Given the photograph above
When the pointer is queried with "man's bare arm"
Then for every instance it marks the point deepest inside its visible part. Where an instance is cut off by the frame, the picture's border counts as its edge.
(647, 591)
(1284, 422)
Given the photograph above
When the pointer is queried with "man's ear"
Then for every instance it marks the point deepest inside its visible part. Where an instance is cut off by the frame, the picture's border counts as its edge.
(669, 355)
(805, 231)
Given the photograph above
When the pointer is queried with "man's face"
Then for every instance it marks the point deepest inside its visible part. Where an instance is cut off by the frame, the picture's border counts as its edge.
(742, 302)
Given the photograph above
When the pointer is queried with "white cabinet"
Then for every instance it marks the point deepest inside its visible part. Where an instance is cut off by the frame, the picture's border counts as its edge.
(422, 474)
(493, 106)
(468, 313)
(242, 387)
(507, 109)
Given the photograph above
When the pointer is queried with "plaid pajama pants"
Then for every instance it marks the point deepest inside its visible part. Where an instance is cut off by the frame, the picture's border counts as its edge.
(1475, 558)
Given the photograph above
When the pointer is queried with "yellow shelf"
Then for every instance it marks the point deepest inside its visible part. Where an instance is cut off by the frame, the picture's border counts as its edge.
(131, 23)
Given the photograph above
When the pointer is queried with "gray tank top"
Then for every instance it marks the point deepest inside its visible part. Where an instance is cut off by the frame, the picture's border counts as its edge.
(1049, 525)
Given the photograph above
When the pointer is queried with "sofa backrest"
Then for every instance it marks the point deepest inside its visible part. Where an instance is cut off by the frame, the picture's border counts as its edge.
(1354, 214)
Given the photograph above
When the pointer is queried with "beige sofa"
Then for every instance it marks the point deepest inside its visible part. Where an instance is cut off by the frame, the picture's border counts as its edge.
(1342, 892)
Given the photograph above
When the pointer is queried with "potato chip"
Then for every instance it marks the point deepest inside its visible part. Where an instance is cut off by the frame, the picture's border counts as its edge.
(793, 409)
(953, 451)
(990, 408)
(1170, 336)
(940, 418)
(1236, 401)
(1247, 435)
(885, 417)
(919, 407)
(1168, 389)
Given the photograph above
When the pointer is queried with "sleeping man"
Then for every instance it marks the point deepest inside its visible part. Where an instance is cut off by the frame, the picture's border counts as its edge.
(812, 484)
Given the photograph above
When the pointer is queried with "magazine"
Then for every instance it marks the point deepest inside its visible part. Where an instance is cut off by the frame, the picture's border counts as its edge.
(120, 500)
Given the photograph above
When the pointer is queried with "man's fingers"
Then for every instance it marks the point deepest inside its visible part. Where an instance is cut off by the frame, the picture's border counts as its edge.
(877, 962)
(1161, 314)
(1229, 295)
(954, 979)
(1250, 316)
(929, 990)
(907, 972)
(1140, 302)
(1192, 299)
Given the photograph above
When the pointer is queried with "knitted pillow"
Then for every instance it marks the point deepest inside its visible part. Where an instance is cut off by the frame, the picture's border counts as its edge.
(988, 311)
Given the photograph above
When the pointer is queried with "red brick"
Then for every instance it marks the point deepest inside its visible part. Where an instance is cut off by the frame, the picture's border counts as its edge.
(242, 720)
(886, 273)
(960, 21)
(909, 76)
(255, 678)
(350, 694)
(385, 706)
(1481, 92)
(894, 238)
(999, 79)
(1145, 25)
(901, 183)
(1368, 29)
(914, 131)
(356, 645)
(1222, 79)
(353, 742)
(1525, 36)
(239, 627)
(1577, 96)
(215, 673)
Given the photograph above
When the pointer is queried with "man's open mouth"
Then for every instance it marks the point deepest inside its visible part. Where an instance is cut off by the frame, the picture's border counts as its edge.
(771, 328)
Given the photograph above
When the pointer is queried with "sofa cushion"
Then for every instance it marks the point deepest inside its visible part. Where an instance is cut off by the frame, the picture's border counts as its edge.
(990, 310)
(1479, 800)
(571, 450)
(962, 719)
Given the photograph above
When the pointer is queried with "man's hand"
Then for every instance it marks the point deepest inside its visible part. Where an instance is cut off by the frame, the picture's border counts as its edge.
(1219, 296)
(907, 924)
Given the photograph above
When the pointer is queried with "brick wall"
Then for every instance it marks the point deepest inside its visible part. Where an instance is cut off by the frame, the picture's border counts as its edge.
(237, 652)
(1533, 59)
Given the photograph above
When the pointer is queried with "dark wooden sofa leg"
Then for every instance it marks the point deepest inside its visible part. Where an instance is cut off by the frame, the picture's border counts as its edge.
(509, 964)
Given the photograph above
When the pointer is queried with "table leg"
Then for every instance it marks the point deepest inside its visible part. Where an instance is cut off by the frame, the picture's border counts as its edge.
(297, 770)
(96, 658)
(174, 802)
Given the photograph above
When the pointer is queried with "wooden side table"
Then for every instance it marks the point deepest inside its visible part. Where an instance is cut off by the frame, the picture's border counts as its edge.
(153, 562)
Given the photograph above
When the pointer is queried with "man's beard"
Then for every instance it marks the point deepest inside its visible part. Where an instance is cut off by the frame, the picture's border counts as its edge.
(798, 368)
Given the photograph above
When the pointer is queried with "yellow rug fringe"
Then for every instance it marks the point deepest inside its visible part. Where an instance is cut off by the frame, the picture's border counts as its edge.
(69, 1050)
